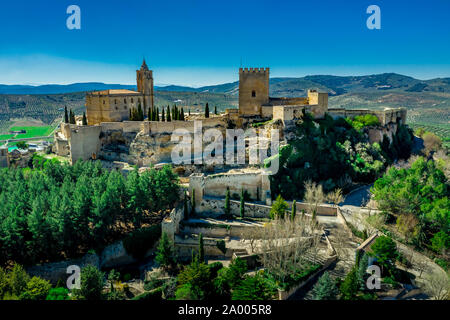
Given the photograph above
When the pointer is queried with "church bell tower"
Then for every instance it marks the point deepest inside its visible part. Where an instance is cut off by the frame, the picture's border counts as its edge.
(144, 79)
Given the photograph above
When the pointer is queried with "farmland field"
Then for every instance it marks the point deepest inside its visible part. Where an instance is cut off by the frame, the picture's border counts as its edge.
(31, 132)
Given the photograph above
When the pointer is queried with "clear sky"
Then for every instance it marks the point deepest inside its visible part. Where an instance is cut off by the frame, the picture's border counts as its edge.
(201, 42)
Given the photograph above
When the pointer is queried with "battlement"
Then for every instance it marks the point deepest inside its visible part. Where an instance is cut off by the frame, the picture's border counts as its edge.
(253, 70)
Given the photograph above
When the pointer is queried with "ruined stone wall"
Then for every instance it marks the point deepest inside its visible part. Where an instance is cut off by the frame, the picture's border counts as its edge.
(62, 147)
(397, 115)
(255, 183)
(84, 142)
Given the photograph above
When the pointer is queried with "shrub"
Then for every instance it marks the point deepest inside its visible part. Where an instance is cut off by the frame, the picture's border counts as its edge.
(36, 289)
(154, 295)
(92, 282)
(440, 241)
(279, 208)
(140, 241)
(58, 293)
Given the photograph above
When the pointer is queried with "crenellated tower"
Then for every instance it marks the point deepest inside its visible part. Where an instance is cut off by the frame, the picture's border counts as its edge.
(253, 90)
(144, 79)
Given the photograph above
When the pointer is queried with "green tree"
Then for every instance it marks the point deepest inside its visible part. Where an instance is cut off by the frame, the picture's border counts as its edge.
(350, 286)
(165, 255)
(253, 288)
(440, 241)
(92, 283)
(293, 210)
(18, 279)
(36, 289)
(279, 208)
(242, 205)
(385, 251)
(140, 113)
(22, 145)
(168, 114)
(215, 110)
(193, 203)
(207, 110)
(201, 249)
(84, 121)
(197, 277)
(325, 288)
(163, 115)
(185, 206)
(66, 115)
(227, 208)
(58, 293)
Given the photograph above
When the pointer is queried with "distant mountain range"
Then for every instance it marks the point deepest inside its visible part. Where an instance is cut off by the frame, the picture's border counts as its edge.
(334, 85)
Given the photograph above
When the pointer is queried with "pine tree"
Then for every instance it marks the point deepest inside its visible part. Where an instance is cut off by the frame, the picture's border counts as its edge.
(294, 210)
(66, 116)
(207, 110)
(227, 203)
(165, 255)
(325, 288)
(163, 116)
(201, 249)
(242, 205)
(84, 119)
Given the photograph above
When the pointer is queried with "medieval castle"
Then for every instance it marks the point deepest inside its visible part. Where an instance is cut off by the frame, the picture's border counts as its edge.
(110, 135)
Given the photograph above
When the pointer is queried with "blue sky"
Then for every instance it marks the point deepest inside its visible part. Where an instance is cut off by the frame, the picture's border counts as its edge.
(201, 42)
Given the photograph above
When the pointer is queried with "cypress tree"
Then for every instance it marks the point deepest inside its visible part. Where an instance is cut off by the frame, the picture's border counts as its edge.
(193, 203)
(215, 110)
(189, 111)
(242, 207)
(294, 210)
(163, 116)
(201, 249)
(140, 113)
(66, 116)
(207, 110)
(157, 114)
(227, 203)
(84, 119)
(168, 114)
(182, 114)
(186, 211)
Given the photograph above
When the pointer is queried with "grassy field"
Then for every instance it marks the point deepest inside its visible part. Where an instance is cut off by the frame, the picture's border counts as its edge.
(31, 132)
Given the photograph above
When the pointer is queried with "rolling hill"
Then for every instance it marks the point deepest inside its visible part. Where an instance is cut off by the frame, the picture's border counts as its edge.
(427, 101)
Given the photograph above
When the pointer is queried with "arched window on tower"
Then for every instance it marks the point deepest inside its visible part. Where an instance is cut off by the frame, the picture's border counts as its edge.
(132, 101)
(253, 93)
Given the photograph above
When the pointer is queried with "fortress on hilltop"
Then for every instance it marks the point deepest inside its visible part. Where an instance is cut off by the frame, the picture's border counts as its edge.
(111, 136)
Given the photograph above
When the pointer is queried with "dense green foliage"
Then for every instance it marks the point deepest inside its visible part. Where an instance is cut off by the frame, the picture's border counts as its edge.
(384, 250)
(58, 293)
(254, 288)
(279, 208)
(332, 153)
(92, 283)
(165, 254)
(360, 122)
(325, 288)
(421, 191)
(57, 210)
(140, 241)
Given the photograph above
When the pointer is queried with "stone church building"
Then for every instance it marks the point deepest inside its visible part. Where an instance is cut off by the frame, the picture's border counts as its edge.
(115, 105)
